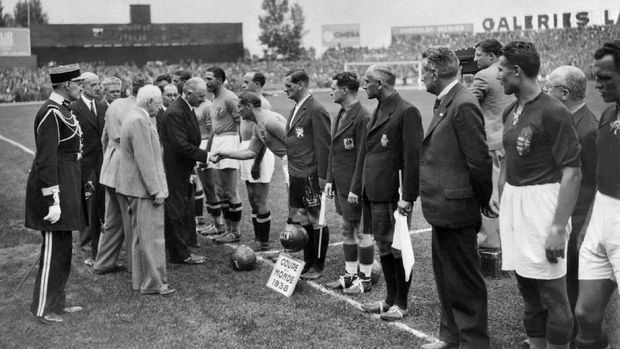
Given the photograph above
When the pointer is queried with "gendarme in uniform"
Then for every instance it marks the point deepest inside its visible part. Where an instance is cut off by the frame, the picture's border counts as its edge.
(55, 180)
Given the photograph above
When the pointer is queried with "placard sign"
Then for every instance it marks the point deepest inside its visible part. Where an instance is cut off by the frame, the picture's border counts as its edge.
(285, 274)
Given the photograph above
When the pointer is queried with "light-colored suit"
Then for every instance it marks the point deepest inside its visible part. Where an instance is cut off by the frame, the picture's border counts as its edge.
(141, 176)
(490, 94)
(116, 223)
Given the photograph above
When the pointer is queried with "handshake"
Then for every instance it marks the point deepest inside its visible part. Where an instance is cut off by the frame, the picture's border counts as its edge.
(215, 158)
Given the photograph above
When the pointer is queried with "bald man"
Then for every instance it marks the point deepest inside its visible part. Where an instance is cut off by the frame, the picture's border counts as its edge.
(568, 85)
(392, 149)
(91, 115)
(180, 138)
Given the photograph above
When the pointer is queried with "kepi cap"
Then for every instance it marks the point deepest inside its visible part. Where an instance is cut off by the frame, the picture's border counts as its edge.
(64, 73)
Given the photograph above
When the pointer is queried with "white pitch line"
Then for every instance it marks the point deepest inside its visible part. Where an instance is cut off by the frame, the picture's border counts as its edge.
(397, 324)
(19, 145)
(411, 232)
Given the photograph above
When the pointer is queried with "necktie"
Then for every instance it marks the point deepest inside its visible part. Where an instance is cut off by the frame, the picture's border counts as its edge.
(436, 105)
(340, 120)
(92, 107)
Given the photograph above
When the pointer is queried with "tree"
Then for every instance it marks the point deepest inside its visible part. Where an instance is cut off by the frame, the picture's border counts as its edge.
(37, 16)
(282, 29)
(6, 20)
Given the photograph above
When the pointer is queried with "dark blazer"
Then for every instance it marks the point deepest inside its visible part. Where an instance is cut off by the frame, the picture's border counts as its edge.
(455, 166)
(180, 138)
(346, 148)
(586, 126)
(393, 137)
(92, 129)
(308, 140)
(159, 117)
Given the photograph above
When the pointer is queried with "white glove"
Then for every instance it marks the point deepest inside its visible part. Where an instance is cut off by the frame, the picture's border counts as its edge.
(53, 214)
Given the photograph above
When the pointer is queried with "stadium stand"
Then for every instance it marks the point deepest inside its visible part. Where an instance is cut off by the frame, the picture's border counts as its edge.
(21, 84)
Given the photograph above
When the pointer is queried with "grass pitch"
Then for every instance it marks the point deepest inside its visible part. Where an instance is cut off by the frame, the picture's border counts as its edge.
(215, 306)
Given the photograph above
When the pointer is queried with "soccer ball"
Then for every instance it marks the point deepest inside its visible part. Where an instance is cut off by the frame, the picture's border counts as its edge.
(376, 272)
(243, 258)
(294, 237)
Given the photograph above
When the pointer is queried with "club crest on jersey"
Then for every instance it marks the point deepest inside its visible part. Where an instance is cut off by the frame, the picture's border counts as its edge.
(299, 132)
(348, 143)
(384, 141)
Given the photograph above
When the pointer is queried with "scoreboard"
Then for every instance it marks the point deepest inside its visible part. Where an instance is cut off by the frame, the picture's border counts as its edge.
(138, 43)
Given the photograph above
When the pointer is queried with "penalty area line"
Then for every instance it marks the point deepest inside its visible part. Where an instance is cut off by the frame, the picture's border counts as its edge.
(396, 324)
(17, 144)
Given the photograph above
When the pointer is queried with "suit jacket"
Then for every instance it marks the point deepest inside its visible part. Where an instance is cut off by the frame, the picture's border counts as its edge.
(92, 129)
(159, 117)
(393, 137)
(308, 140)
(141, 163)
(586, 126)
(346, 148)
(180, 138)
(111, 139)
(455, 166)
(490, 94)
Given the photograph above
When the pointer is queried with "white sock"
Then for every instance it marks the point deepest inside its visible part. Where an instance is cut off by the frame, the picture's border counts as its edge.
(350, 267)
(366, 269)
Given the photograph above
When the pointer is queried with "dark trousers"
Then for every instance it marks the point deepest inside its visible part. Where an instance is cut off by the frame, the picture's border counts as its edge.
(462, 291)
(572, 260)
(96, 213)
(54, 267)
(179, 220)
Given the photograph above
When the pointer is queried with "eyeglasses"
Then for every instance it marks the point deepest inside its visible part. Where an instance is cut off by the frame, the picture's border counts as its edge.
(548, 87)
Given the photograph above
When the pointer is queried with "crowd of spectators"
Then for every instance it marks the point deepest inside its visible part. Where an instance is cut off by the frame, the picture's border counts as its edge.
(556, 46)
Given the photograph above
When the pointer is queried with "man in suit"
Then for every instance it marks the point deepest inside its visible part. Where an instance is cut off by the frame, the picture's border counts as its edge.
(389, 180)
(117, 226)
(111, 89)
(493, 101)
(169, 94)
(348, 132)
(54, 196)
(180, 138)
(538, 188)
(91, 115)
(143, 182)
(599, 261)
(568, 85)
(455, 184)
(307, 142)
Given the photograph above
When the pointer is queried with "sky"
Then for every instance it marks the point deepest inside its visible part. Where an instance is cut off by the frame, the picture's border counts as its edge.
(376, 17)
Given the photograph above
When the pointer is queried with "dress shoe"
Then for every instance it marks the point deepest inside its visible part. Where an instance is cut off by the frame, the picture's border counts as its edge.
(377, 307)
(395, 313)
(440, 345)
(90, 262)
(114, 269)
(194, 259)
(73, 309)
(164, 290)
(311, 274)
(50, 318)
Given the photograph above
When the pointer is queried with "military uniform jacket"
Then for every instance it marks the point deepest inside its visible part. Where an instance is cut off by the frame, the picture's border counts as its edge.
(92, 129)
(308, 140)
(56, 165)
(393, 137)
(455, 166)
(346, 148)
